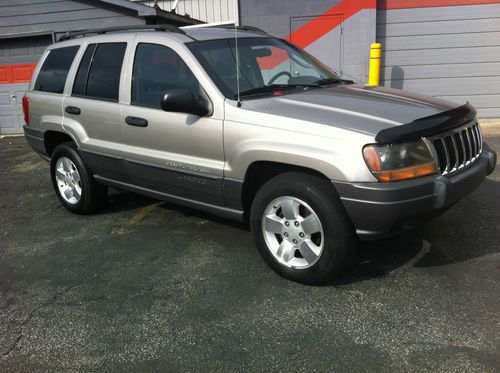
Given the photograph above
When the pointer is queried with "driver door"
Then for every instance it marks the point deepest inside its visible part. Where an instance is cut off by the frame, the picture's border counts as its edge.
(173, 153)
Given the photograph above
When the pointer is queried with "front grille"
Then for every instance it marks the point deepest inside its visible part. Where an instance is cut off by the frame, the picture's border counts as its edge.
(457, 148)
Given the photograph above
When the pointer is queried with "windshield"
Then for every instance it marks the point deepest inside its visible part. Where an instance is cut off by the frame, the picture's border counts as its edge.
(266, 65)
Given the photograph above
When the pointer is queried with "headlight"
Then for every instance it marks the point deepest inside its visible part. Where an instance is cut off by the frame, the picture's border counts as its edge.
(394, 162)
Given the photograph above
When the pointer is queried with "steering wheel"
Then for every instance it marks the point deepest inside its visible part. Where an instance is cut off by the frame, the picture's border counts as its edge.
(278, 75)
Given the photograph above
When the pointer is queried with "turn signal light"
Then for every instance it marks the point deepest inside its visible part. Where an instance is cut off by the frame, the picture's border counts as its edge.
(407, 173)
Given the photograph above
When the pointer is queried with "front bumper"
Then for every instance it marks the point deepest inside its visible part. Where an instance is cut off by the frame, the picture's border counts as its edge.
(382, 209)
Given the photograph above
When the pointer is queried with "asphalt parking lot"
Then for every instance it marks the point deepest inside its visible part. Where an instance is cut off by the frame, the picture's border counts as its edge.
(145, 285)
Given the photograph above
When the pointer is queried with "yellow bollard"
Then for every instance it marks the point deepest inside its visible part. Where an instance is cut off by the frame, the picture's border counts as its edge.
(374, 70)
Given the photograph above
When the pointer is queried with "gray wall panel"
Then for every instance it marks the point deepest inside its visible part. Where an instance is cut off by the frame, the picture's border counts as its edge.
(205, 10)
(23, 17)
(441, 56)
(23, 50)
(438, 13)
(449, 52)
(64, 26)
(41, 8)
(439, 27)
(58, 16)
(453, 70)
(458, 40)
(482, 101)
(447, 86)
(283, 17)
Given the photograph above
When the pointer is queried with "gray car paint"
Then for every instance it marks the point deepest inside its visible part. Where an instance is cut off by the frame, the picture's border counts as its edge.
(186, 158)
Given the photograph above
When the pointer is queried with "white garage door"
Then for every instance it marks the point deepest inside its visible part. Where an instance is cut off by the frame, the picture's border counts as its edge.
(451, 52)
(18, 57)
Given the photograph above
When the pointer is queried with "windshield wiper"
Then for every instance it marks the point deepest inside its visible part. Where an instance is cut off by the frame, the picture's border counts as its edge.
(327, 81)
(273, 88)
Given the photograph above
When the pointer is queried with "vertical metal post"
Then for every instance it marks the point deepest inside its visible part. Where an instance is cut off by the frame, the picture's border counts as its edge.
(374, 69)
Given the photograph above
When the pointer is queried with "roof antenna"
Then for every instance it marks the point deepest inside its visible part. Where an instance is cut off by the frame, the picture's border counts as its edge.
(238, 104)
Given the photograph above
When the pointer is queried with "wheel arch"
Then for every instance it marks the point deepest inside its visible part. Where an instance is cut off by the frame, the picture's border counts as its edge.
(259, 172)
(52, 139)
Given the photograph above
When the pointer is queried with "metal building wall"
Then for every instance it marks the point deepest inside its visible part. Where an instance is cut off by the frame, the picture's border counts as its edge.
(338, 32)
(36, 16)
(451, 52)
(26, 29)
(205, 10)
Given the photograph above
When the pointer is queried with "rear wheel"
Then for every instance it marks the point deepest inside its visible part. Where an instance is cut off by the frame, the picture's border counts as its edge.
(73, 182)
(302, 229)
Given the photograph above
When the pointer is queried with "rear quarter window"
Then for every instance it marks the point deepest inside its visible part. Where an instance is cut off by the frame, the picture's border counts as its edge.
(55, 68)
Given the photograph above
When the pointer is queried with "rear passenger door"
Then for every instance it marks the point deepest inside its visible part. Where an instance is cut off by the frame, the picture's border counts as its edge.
(46, 94)
(174, 153)
(93, 112)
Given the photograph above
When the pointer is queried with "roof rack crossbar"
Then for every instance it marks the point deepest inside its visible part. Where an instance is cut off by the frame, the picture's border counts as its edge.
(165, 27)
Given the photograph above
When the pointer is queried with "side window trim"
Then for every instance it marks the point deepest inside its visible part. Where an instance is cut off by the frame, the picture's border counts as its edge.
(91, 45)
(89, 67)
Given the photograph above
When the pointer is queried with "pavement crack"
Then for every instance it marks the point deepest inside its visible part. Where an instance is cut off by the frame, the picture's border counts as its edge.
(45, 304)
(426, 246)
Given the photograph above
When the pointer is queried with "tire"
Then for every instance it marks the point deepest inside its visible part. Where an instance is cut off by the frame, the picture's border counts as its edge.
(302, 200)
(73, 182)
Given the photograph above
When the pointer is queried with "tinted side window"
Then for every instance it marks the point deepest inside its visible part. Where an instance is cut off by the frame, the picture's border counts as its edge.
(83, 71)
(53, 73)
(104, 75)
(156, 70)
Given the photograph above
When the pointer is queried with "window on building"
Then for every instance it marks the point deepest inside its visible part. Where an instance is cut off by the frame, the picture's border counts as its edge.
(158, 69)
(55, 68)
(102, 79)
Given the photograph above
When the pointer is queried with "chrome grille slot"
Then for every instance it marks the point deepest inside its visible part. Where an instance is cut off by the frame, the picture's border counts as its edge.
(457, 148)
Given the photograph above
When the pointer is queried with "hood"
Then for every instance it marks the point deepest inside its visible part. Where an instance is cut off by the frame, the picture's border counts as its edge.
(352, 107)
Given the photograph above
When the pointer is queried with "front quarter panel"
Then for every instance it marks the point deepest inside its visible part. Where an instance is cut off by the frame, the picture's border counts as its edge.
(252, 136)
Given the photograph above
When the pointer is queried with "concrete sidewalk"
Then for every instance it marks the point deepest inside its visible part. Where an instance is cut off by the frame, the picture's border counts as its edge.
(490, 126)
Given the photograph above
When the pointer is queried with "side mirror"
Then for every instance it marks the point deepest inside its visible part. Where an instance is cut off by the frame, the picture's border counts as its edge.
(183, 101)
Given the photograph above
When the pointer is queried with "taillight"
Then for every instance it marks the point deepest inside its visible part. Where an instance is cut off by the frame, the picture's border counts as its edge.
(26, 110)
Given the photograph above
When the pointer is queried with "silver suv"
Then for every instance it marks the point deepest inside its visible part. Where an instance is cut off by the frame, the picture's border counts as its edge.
(253, 129)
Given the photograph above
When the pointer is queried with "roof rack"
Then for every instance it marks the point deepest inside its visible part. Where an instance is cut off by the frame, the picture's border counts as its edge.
(166, 27)
(245, 28)
(225, 25)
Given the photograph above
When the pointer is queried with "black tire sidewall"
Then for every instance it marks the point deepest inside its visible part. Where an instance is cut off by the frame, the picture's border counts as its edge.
(85, 204)
(340, 242)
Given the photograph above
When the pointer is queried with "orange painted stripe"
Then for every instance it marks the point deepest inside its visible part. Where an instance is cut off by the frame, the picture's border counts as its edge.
(317, 27)
(404, 4)
(18, 73)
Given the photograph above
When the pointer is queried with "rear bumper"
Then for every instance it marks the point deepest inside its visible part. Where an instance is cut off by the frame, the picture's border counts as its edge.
(383, 209)
(35, 138)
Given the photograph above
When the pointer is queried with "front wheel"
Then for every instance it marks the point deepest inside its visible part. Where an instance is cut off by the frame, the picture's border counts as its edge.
(301, 228)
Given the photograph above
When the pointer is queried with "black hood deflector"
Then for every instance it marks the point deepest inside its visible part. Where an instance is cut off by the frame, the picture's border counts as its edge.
(428, 126)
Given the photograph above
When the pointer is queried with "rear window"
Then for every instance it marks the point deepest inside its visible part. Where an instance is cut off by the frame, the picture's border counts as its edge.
(54, 71)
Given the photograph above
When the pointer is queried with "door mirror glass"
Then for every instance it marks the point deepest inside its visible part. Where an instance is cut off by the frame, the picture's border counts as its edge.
(183, 101)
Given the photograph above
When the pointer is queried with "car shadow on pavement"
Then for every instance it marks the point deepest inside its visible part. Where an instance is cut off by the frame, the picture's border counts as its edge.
(120, 201)
(467, 231)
